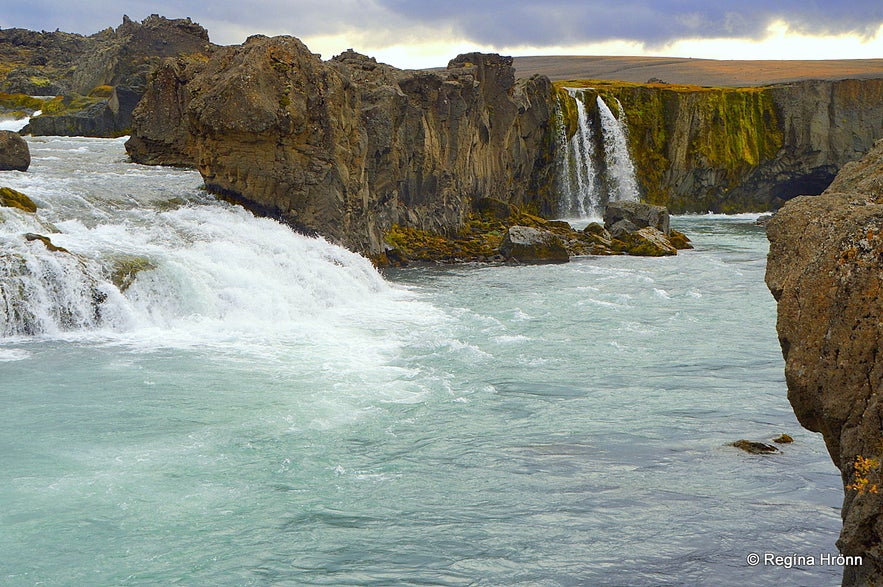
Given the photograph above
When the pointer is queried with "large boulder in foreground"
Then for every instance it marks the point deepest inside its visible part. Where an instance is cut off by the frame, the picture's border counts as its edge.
(825, 269)
(533, 245)
(14, 152)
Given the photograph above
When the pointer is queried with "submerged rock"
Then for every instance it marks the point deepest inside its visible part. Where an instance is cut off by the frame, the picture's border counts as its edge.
(755, 448)
(14, 152)
(783, 439)
(533, 245)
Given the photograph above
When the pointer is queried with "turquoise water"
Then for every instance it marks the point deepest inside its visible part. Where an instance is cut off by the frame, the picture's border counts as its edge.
(264, 409)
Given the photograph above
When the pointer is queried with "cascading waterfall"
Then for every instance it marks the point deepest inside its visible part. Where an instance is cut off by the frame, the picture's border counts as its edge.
(146, 253)
(580, 197)
(595, 165)
(621, 180)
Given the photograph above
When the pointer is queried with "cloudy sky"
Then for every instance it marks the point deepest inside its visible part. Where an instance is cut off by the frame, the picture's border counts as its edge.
(424, 33)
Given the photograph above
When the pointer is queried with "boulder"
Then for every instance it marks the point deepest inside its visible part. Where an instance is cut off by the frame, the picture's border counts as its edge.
(679, 240)
(649, 242)
(533, 245)
(638, 213)
(14, 152)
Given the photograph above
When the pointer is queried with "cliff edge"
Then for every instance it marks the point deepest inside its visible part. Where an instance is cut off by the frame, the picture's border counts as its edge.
(825, 269)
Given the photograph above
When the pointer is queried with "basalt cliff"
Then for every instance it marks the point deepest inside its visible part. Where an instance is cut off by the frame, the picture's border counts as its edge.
(350, 147)
(825, 268)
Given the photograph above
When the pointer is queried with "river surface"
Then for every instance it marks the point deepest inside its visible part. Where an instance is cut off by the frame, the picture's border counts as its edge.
(260, 408)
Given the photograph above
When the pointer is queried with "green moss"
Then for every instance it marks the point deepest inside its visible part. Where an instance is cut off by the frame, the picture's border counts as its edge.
(11, 198)
(730, 131)
(61, 105)
(19, 102)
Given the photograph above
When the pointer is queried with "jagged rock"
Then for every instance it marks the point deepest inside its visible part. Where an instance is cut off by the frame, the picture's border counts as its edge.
(679, 240)
(755, 448)
(533, 245)
(11, 198)
(638, 213)
(14, 152)
(825, 269)
(649, 242)
(350, 147)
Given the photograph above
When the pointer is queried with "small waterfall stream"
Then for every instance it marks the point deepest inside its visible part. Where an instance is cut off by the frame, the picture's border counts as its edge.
(595, 165)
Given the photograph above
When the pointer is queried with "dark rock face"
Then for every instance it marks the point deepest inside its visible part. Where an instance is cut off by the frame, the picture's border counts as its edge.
(351, 147)
(639, 214)
(533, 245)
(825, 269)
(14, 152)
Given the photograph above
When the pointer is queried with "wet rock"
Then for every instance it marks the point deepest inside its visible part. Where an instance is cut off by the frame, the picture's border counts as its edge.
(14, 152)
(622, 229)
(637, 213)
(30, 236)
(649, 242)
(533, 245)
(679, 240)
(783, 439)
(755, 448)
(11, 198)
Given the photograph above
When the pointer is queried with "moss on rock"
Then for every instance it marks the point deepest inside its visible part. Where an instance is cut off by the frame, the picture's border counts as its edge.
(10, 198)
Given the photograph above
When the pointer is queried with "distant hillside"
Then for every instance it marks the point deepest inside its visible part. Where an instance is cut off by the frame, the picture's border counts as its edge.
(701, 72)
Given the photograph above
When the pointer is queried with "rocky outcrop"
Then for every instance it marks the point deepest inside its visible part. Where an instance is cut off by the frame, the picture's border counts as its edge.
(14, 152)
(700, 149)
(111, 66)
(825, 268)
(351, 147)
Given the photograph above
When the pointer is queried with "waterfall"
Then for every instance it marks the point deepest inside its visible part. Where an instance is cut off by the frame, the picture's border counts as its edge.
(580, 197)
(594, 163)
(123, 250)
(621, 179)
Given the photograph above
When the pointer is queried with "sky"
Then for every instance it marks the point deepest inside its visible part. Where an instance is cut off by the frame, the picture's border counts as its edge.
(428, 33)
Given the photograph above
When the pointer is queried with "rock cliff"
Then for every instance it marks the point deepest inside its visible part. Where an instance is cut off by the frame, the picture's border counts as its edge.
(825, 268)
(741, 149)
(101, 76)
(350, 148)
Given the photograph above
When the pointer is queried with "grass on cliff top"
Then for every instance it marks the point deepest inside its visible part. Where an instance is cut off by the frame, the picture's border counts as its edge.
(684, 88)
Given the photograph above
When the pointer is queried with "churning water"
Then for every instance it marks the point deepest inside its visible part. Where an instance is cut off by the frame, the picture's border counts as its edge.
(251, 407)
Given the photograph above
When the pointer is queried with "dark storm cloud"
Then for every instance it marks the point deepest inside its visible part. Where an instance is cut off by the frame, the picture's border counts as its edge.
(541, 23)
(494, 22)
